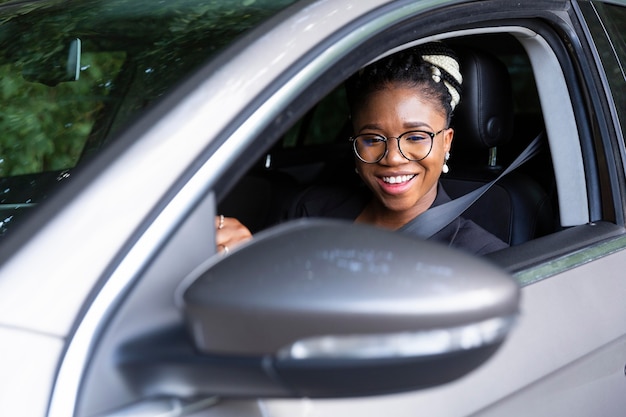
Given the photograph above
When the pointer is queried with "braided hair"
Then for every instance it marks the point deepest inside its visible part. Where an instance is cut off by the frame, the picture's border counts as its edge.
(432, 67)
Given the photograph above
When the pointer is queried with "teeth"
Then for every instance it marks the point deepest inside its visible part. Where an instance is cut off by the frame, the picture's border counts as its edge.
(397, 180)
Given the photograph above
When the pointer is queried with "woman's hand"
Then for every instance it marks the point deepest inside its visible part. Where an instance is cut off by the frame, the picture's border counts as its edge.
(229, 233)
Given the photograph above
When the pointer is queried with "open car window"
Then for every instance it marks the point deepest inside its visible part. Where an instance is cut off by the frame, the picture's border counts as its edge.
(316, 151)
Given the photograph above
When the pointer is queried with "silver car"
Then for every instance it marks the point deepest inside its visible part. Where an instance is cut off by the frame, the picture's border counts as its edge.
(129, 125)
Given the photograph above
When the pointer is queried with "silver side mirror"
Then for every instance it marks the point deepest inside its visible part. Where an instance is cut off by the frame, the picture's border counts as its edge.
(326, 309)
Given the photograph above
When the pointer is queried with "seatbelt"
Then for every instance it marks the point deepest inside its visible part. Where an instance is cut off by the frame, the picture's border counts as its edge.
(436, 218)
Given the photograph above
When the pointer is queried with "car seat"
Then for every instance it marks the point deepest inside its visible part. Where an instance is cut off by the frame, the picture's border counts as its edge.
(516, 208)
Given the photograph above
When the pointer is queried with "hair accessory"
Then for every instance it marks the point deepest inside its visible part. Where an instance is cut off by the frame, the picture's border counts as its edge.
(436, 73)
(445, 169)
(452, 77)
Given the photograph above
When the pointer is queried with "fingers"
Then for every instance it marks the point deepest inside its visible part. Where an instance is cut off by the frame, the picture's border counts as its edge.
(229, 233)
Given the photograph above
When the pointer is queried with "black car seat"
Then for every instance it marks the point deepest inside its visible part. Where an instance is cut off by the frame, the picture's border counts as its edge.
(516, 208)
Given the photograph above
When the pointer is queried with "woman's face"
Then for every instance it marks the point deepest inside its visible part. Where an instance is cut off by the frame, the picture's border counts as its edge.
(398, 184)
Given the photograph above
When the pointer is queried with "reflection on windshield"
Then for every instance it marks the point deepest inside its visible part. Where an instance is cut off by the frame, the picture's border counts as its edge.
(131, 53)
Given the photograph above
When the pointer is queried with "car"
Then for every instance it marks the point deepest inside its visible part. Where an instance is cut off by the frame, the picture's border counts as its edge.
(129, 125)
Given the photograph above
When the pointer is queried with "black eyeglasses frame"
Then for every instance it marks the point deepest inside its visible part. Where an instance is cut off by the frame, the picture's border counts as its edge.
(432, 135)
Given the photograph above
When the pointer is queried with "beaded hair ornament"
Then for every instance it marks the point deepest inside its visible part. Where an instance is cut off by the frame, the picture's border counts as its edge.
(446, 68)
(435, 58)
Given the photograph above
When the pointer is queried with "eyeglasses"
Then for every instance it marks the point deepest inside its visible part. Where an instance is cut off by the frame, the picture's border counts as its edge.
(414, 145)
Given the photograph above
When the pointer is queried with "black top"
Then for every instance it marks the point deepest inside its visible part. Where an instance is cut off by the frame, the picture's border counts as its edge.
(348, 203)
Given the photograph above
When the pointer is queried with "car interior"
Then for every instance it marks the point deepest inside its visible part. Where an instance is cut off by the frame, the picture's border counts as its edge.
(498, 117)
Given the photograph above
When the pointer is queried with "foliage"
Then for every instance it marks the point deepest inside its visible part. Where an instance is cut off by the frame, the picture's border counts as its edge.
(45, 127)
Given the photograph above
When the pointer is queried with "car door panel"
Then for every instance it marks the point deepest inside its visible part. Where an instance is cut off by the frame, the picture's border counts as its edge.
(569, 346)
(30, 361)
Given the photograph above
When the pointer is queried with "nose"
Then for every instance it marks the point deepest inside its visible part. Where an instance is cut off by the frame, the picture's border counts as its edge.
(393, 155)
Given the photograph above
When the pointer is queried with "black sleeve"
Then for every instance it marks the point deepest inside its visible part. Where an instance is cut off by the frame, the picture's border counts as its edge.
(473, 238)
(330, 202)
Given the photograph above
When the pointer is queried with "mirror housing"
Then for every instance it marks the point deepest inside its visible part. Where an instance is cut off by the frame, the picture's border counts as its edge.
(323, 308)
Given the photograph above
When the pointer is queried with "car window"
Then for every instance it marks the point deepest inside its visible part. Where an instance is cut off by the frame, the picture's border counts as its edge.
(316, 152)
(614, 17)
(46, 125)
(323, 124)
(610, 37)
(72, 75)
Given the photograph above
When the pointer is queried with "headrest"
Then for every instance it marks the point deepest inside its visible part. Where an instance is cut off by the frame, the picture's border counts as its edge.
(484, 118)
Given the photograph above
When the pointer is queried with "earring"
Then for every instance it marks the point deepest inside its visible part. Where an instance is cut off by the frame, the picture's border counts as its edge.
(356, 170)
(446, 168)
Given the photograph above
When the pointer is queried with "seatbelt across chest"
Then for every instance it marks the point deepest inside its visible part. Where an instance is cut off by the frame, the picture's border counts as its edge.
(436, 218)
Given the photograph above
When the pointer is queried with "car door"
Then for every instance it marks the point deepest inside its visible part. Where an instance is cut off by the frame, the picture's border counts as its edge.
(570, 323)
(567, 355)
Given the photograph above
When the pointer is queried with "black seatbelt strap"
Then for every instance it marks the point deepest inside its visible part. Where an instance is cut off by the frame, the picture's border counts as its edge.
(436, 218)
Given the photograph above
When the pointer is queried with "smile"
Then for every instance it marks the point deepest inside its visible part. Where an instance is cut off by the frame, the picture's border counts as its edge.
(399, 179)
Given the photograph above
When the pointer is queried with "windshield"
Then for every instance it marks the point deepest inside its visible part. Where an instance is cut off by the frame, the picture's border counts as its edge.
(73, 73)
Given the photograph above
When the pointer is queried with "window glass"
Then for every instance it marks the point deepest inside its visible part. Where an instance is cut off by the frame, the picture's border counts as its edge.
(610, 38)
(72, 74)
(323, 125)
(615, 21)
(45, 127)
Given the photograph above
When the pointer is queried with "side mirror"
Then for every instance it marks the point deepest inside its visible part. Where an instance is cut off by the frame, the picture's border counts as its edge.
(321, 308)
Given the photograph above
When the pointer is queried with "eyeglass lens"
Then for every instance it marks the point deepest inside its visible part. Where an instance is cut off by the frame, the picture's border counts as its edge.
(414, 145)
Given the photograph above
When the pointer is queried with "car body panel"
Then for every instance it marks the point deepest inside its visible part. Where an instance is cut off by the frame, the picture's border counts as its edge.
(584, 361)
(31, 360)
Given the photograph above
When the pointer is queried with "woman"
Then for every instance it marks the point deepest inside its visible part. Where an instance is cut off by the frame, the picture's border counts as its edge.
(401, 107)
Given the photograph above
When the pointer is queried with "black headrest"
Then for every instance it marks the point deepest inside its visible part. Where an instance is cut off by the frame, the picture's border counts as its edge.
(484, 117)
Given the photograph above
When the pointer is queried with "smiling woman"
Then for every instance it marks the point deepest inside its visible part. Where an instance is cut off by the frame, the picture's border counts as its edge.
(410, 97)
(403, 187)
(401, 108)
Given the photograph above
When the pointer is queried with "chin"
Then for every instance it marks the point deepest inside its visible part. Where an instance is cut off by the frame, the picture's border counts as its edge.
(398, 206)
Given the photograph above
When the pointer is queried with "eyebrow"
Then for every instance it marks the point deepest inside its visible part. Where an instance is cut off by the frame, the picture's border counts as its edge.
(408, 125)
